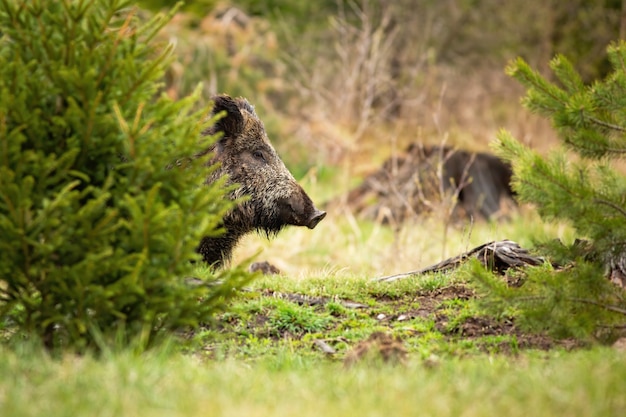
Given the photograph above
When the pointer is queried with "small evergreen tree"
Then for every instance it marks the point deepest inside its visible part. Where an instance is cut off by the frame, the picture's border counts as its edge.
(101, 206)
(580, 184)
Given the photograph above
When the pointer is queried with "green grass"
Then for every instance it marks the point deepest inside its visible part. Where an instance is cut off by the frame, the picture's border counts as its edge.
(262, 359)
(584, 383)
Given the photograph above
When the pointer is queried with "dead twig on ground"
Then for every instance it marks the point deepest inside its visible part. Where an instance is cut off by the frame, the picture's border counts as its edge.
(497, 256)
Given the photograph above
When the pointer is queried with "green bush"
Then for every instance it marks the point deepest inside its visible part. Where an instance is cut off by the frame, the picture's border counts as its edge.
(96, 233)
(581, 184)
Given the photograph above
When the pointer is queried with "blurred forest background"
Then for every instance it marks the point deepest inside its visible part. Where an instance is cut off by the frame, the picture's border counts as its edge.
(342, 84)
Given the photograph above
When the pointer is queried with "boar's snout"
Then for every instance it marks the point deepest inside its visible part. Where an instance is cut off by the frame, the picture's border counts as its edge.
(299, 210)
(315, 218)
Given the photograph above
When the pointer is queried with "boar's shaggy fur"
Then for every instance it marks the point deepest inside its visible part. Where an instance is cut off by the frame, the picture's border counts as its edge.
(273, 197)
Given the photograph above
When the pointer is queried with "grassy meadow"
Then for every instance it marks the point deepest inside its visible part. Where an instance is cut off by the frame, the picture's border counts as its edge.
(575, 384)
(264, 358)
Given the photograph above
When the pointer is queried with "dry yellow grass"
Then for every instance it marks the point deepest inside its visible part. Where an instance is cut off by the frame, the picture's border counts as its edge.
(344, 243)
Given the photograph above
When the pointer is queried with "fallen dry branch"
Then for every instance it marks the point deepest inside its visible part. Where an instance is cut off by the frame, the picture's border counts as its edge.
(497, 256)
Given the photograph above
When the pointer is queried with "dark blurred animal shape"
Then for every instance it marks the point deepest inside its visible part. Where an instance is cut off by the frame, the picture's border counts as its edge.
(412, 183)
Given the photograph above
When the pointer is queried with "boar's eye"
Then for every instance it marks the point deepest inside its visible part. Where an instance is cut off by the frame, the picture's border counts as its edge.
(258, 154)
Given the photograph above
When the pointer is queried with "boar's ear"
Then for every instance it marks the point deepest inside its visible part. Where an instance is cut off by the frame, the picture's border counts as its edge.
(231, 124)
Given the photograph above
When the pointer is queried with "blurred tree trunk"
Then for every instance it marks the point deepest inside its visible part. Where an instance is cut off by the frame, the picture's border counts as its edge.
(546, 50)
(622, 21)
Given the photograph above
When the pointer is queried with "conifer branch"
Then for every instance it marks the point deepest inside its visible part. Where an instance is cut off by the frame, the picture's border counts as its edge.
(613, 326)
(608, 307)
(603, 123)
(119, 36)
(611, 204)
(574, 145)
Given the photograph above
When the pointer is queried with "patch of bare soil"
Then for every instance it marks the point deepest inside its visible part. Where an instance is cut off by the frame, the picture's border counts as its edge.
(431, 305)
(379, 346)
(470, 328)
(478, 327)
(452, 292)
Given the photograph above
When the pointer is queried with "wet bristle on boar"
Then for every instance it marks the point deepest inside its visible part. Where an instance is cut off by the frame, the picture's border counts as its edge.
(273, 198)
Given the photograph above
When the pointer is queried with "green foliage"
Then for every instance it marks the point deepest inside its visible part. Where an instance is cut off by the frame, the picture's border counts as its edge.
(577, 183)
(95, 233)
(199, 7)
(295, 319)
(573, 303)
(586, 191)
